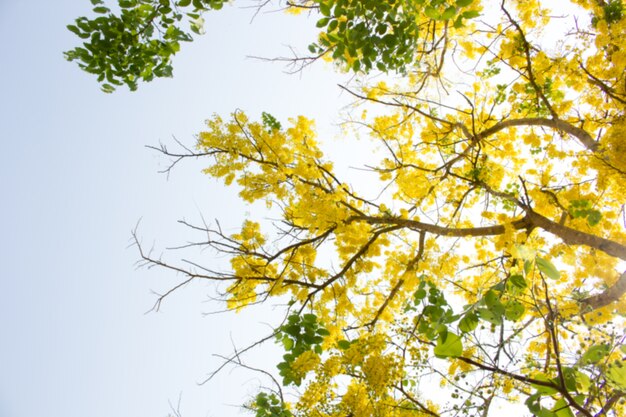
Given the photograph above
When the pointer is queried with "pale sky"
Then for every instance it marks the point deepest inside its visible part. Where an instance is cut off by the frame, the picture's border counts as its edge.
(76, 177)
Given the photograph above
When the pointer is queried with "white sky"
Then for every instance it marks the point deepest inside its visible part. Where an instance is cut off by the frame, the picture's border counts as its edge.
(75, 178)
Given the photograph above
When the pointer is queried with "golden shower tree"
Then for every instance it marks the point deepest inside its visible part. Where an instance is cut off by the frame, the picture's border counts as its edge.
(481, 268)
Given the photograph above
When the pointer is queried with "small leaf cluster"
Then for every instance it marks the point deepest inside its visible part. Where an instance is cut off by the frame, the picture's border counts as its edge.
(533, 104)
(559, 409)
(582, 209)
(434, 318)
(382, 35)
(497, 304)
(576, 381)
(136, 44)
(435, 314)
(612, 11)
(596, 360)
(269, 405)
(270, 122)
(298, 335)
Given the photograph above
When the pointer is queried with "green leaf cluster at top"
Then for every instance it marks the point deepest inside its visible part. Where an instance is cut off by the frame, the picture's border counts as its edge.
(612, 12)
(298, 335)
(383, 35)
(136, 44)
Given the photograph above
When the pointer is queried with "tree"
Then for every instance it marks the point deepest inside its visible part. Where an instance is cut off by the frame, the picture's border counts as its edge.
(483, 269)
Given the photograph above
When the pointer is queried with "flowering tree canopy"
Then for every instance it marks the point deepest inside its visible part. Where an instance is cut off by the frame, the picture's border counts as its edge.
(482, 267)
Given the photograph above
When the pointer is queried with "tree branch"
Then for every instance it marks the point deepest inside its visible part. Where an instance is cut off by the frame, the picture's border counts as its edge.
(583, 137)
(441, 230)
(608, 296)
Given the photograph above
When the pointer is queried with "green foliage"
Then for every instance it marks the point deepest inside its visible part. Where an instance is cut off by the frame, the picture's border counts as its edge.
(139, 42)
(449, 345)
(616, 374)
(383, 35)
(612, 10)
(576, 382)
(532, 104)
(561, 406)
(270, 122)
(434, 311)
(547, 268)
(582, 209)
(136, 44)
(299, 335)
(269, 405)
(595, 354)
(435, 315)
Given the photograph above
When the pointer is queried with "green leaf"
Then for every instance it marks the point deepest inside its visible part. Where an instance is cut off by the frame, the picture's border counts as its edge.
(569, 376)
(322, 22)
(492, 301)
(595, 354)
(543, 390)
(464, 3)
(107, 88)
(470, 14)
(593, 217)
(323, 332)
(518, 281)
(547, 268)
(468, 323)
(184, 3)
(333, 25)
(514, 310)
(528, 266)
(292, 330)
(561, 409)
(583, 382)
(343, 344)
(490, 316)
(516, 284)
(288, 343)
(419, 295)
(616, 374)
(432, 13)
(74, 29)
(325, 9)
(449, 346)
(449, 13)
